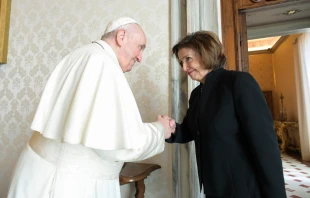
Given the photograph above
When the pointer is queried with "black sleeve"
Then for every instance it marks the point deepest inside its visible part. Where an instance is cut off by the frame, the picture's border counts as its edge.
(182, 133)
(257, 125)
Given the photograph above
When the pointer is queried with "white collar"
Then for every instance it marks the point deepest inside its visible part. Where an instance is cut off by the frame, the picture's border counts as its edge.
(108, 48)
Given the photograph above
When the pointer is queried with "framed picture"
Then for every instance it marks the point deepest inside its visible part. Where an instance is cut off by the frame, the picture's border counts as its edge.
(5, 7)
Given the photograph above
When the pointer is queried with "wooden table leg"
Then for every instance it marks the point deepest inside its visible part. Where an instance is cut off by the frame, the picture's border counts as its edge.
(140, 189)
(136, 172)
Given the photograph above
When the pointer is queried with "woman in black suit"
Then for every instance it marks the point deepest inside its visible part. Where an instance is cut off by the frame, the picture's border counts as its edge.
(229, 121)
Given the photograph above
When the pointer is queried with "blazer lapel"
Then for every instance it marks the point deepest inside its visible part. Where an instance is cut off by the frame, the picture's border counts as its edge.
(211, 80)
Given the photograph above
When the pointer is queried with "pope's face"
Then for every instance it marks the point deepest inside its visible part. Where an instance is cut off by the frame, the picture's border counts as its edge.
(192, 64)
(131, 51)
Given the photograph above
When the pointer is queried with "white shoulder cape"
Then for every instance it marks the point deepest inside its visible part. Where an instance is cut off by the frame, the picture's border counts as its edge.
(87, 100)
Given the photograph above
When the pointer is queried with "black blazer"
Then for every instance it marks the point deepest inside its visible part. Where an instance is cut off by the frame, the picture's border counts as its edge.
(236, 147)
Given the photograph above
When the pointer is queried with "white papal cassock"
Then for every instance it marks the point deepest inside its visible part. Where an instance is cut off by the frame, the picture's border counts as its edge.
(87, 124)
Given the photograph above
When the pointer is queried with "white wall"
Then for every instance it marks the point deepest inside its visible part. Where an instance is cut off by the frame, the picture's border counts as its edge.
(42, 32)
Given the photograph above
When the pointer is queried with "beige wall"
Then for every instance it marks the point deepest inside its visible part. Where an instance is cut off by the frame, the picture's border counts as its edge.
(261, 67)
(275, 71)
(283, 61)
(42, 32)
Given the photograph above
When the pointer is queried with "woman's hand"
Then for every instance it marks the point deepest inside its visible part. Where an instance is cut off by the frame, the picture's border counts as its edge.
(168, 123)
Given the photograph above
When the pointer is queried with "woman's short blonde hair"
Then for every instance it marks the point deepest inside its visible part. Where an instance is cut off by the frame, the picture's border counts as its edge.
(207, 44)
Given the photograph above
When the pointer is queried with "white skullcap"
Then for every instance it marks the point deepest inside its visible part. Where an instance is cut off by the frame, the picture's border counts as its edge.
(113, 25)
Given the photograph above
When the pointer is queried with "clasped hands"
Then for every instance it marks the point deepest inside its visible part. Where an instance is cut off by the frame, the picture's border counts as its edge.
(168, 123)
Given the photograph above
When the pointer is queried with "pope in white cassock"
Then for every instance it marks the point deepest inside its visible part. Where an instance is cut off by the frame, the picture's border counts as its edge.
(87, 123)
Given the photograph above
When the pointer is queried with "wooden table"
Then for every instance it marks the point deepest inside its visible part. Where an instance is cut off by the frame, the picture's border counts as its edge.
(136, 172)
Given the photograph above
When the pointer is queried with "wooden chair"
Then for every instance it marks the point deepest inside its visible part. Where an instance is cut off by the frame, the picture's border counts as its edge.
(136, 172)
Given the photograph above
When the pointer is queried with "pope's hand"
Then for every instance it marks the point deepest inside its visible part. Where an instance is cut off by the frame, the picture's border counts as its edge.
(172, 124)
(166, 123)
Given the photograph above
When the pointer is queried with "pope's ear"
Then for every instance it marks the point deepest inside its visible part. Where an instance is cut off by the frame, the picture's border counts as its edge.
(120, 36)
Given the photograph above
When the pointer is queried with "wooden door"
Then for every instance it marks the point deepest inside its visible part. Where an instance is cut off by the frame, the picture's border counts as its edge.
(234, 30)
(268, 97)
(247, 4)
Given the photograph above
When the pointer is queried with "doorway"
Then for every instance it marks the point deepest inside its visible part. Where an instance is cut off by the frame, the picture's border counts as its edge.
(241, 22)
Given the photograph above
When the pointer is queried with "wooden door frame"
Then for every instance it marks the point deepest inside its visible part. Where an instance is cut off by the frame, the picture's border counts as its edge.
(234, 31)
(229, 31)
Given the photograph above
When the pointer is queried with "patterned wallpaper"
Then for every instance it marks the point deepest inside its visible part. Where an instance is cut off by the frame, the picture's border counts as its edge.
(261, 67)
(42, 32)
(283, 59)
(275, 71)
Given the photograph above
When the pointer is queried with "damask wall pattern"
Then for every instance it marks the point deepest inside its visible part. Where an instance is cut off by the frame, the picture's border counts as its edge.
(275, 71)
(42, 32)
(261, 67)
(284, 65)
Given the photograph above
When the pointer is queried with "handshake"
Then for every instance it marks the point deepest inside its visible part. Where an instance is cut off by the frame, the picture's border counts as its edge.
(168, 123)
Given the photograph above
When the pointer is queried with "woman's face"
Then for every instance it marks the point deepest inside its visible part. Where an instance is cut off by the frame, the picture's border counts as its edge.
(191, 62)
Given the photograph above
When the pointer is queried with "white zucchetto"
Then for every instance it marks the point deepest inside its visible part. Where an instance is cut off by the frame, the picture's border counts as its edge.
(113, 25)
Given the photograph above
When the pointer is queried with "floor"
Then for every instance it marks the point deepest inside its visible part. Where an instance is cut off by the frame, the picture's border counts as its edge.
(297, 177)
